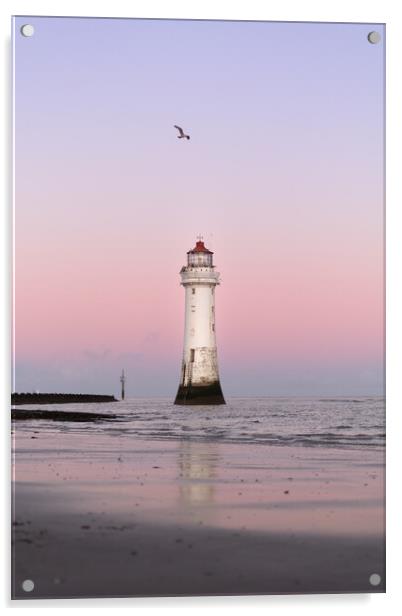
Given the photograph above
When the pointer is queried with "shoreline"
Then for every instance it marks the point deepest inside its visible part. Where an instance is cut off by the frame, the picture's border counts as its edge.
(319, 423)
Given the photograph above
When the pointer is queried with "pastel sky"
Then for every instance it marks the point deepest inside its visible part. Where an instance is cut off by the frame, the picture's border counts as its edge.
(283, 176)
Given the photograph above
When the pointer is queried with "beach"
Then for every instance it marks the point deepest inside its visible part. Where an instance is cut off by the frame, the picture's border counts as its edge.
(117, 516)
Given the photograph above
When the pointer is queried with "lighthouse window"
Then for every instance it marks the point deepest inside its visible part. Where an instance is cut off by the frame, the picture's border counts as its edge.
(192, 353)
(193, 291)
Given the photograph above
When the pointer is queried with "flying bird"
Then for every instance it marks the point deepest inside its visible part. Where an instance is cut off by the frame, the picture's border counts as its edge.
(182, 135)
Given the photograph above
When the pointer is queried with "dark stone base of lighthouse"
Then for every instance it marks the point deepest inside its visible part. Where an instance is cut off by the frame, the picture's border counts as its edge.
(200, 394)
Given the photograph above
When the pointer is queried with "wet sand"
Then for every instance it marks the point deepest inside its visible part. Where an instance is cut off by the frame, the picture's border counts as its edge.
(180, 518)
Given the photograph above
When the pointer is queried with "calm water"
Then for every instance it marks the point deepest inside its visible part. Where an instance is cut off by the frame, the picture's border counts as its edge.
(335, 422)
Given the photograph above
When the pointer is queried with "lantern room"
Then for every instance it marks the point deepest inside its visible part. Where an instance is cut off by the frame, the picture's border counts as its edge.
(199, 256)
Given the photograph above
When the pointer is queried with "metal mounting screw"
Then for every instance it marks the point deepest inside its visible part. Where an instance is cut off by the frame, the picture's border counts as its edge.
(373, 37)
(27, 30)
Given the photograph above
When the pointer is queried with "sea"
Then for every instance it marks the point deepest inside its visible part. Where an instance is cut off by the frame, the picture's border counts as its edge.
(345, 422)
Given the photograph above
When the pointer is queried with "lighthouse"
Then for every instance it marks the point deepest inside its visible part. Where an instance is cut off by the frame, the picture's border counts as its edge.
(199, 382)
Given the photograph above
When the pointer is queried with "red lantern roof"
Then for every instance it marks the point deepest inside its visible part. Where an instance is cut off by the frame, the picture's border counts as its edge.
(200, 247)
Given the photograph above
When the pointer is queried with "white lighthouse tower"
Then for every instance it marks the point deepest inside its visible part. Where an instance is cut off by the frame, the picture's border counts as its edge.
(199, 375)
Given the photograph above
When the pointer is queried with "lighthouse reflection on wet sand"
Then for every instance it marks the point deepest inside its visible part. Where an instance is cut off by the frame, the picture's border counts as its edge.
(199, 375)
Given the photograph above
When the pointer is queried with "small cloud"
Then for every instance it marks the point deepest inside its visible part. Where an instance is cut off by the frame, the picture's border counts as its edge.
(97, 355)
(151, 337)
(126, 358)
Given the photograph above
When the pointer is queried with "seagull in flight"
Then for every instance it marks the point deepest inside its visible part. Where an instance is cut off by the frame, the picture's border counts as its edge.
(182, 135)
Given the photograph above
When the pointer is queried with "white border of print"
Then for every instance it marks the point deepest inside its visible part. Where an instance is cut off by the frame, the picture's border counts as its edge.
(380, 11)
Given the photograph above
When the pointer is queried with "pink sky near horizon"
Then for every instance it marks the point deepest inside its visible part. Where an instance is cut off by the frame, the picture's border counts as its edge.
(287, 191)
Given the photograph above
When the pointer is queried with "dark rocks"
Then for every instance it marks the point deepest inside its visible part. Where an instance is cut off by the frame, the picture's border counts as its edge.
(29, 398)
(21, 414)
